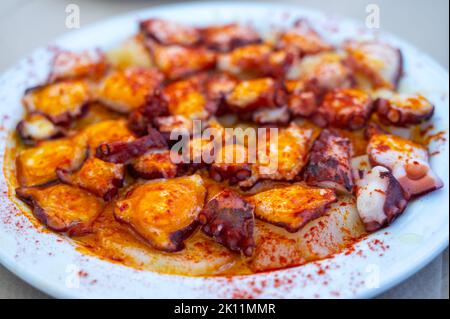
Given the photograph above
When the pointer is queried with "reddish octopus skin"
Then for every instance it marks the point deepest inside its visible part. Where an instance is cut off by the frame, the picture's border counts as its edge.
(71, 65)
(257, 60)
(300, 100)
(329, 163)
(123, 152)
(63, 118)
(269, 94)
(375, 185)
(224, 38)
(407, 161)
(154, 164)
(229, 219)
(344, 108)
(233, 174)
(216, 88)
(234, 169)
(401, 112)
(61, 223)
(303, 39)
(176, 61)
(30, 136)
(140, 120)
(372, 129)
(380, 62)
(322, 73)
(169, 33)
(85, 177)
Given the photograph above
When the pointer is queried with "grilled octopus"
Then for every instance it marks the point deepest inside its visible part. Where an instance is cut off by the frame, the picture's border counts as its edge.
(330, 163)
(228, 218)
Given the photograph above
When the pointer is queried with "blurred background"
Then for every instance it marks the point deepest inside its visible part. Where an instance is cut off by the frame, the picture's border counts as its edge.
(28, 24)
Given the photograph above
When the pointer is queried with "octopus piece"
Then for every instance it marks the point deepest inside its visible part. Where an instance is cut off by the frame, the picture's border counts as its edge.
(293, 206)
(404, 109)
(344, 108)
(219, 85)
(407, 161)
(278, 64)
(381, 63)
(197, 151)
(186, 98)
(71, 65)
(59, 102)
(163, 212)
(225, 38)
(126, 90)
(324, 72)
(245, 59)
(144, 117)
(231, 163)
(303, 39)
(124, 152)
(96, 113)
(300, 101)
(256, 60)
(329, 164)
(372, 129)
(98, 177)
(176, 61)
(229, 219)
(154, 164)
(283, 157)
(380, 198)
(36, 127)
(37, 165)
(169, 32)
(101, 132)
(168, 124)
(279, 115)
(252, 94)
(63, 208)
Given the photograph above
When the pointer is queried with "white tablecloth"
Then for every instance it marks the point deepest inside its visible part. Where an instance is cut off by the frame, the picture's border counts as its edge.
(26, 24)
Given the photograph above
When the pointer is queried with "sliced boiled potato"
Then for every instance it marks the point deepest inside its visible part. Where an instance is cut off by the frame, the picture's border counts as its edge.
(328, 234)
(275, 248)
(201, 255)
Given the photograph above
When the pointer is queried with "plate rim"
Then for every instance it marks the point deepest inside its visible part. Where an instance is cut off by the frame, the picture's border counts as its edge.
(403, 274)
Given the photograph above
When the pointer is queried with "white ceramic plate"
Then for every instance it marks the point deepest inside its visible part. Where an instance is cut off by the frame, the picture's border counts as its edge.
(51, 263)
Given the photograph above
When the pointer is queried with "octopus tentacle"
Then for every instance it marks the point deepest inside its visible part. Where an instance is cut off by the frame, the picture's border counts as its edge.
(344, 108)
(407, 161)
(403, 109)
(229, 219)
(329, 164)
(380, 198)
(123, 152)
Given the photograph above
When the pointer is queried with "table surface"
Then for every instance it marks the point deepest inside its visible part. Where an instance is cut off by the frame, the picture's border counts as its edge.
(27, 24)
